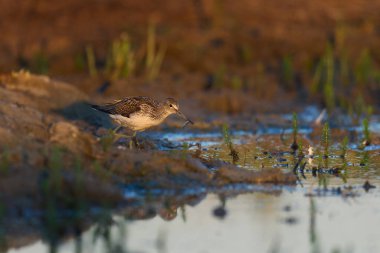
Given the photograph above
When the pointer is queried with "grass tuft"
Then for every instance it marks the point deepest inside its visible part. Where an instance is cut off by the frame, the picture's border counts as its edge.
(154, 53)
(325, 140)
(294, 145)
(91, 61)
(344, 147)
(367, 135)
(40, 63)
(227, 140)
(287, 72)
(121, 61)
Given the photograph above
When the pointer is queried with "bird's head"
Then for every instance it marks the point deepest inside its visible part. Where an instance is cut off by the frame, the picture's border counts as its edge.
(172, 107)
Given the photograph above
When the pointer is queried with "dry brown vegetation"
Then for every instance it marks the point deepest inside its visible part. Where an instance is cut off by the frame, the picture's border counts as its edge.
(268, 51)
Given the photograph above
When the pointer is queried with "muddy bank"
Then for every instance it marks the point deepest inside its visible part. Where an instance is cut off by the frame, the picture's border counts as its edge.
(57, 156)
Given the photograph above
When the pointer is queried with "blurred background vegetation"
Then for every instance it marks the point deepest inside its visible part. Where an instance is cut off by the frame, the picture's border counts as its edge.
(324, 52)
(221, 56)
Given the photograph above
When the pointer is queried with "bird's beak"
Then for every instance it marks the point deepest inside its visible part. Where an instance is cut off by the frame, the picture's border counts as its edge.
(179, 113)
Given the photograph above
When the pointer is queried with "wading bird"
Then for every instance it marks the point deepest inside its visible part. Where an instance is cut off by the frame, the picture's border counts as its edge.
(140, 113)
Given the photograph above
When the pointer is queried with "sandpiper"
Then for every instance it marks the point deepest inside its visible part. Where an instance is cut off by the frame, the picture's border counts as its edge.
(140, 113)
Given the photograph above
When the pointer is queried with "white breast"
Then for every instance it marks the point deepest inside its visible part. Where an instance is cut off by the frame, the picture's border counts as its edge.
(136, 122)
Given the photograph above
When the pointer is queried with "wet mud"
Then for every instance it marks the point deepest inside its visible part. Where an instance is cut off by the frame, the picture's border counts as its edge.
(63, 170)
(59, 158)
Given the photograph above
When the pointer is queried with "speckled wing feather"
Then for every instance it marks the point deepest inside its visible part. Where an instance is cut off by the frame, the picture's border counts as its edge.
(127, 106)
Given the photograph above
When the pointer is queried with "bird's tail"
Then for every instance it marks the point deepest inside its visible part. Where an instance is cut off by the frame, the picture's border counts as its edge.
(100, 108)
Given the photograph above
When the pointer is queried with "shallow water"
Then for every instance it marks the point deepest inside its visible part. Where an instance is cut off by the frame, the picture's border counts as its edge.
(328, 210)
(255, 222)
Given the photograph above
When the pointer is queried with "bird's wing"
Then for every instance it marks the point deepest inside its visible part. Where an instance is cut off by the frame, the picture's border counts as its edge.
(127, 106)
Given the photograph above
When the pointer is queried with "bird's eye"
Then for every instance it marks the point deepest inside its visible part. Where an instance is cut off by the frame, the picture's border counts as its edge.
(171, 105)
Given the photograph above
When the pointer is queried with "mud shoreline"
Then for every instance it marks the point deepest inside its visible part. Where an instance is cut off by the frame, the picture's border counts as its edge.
(56, 156)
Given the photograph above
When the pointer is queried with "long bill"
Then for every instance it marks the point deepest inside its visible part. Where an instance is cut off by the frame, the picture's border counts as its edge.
(179, 113)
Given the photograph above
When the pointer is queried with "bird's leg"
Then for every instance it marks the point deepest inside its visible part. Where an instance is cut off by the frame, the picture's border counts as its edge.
(133, 141)
(116, 129)
(118, 136)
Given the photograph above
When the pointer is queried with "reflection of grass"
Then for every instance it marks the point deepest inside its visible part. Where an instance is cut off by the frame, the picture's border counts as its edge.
(103, 227)
(56, 197)
(102, 232)
(323, 180)
(312, 227)
(78, 185)
(183, 212)
(55, 167)
(51, 188)
(101, 172)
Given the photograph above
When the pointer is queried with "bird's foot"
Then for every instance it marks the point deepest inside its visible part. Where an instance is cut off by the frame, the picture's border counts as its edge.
(134, 143)
(114, 131)
(116, 137)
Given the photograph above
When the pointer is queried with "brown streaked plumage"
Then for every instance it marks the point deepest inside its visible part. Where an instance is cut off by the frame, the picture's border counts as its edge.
(140, 113)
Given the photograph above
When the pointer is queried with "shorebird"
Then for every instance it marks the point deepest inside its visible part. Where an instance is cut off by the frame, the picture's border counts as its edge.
(140, 113)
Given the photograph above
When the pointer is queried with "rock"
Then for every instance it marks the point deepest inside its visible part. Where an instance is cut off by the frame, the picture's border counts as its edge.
(62, 131)
(46, 94)
(28, 113)
(69, 136)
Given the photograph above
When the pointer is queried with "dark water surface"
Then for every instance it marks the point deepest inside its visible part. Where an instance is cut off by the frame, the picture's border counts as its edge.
(256, 222)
